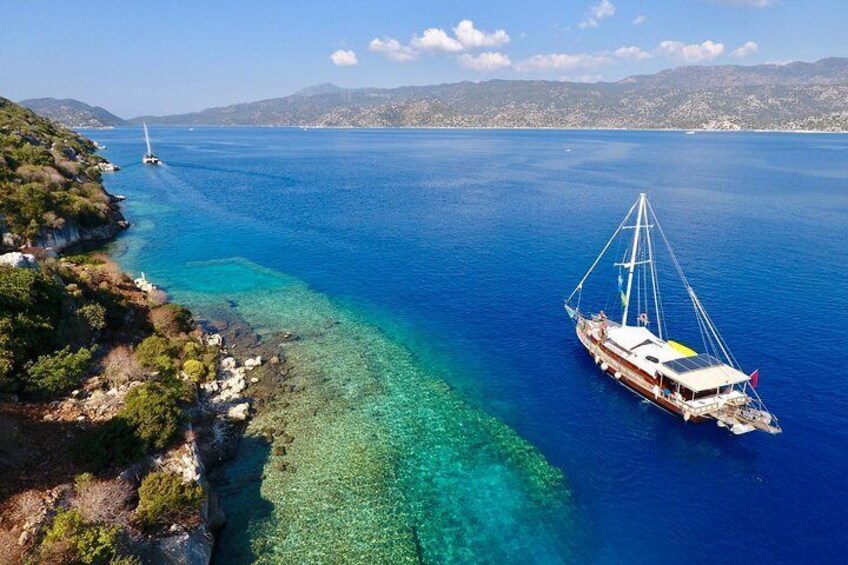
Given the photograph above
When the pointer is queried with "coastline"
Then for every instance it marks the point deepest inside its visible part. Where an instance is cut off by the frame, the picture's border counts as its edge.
(480, 128)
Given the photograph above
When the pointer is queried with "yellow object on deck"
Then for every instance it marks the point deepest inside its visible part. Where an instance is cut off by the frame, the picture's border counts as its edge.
(680, 348)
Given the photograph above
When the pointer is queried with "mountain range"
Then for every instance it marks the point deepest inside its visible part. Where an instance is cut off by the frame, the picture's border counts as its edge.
(72, 113)
(792, 96)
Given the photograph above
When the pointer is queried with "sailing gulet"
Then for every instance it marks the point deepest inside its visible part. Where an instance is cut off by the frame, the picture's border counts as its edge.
(636, 351)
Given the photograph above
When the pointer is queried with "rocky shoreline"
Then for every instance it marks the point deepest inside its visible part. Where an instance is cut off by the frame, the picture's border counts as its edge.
(247, 371)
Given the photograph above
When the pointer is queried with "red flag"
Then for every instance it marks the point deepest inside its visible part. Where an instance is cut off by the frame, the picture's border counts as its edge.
(755, 378)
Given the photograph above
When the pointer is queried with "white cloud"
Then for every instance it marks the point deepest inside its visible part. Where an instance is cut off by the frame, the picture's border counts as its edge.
(640, 19)
(749, 48)
(436, 39)
(486, 61)
(636, 53)
(471, 37)
(693, 53)
(344, 58)
(598, 12)
(392, 49)
(563, 62)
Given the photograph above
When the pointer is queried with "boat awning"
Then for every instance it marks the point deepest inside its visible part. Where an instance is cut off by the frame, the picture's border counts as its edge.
(702, 372)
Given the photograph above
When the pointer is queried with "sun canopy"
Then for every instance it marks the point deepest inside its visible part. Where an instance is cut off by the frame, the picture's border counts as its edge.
(702, 372)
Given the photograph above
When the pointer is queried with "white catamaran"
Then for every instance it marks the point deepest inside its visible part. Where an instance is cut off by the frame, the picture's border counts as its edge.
(637, 353)
(149, 158)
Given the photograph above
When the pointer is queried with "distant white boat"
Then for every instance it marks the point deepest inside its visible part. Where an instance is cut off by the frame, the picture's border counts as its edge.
(149, 158)
(690, 132)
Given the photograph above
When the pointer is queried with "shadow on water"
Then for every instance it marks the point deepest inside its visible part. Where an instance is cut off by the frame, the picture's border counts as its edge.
(239, 490)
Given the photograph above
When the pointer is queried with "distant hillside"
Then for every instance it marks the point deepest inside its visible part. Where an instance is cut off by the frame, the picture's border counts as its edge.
(72, 113)
(795, 96)
(50, 189)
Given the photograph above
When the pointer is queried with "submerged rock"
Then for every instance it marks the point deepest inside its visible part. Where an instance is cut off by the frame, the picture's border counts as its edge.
(253, 362)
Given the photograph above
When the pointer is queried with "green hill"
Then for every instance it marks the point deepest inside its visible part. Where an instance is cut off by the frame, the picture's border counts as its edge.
(50, 184)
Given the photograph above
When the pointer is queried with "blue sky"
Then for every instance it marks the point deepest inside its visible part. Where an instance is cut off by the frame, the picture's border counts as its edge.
(166, 57)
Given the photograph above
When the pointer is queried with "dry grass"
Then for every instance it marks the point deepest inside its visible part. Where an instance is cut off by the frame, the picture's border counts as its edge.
(108, 502)
(10, 551)
(27, 505)
(120, 367)
(157, 297)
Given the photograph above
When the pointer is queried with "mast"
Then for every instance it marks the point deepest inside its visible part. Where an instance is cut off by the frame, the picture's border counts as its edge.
(147, 138)
(631, 266)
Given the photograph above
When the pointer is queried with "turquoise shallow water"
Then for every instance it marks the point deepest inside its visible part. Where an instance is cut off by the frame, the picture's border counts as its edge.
(445, 256)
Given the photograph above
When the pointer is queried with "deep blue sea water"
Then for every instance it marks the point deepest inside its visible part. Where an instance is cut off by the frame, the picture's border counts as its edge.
(461, 245)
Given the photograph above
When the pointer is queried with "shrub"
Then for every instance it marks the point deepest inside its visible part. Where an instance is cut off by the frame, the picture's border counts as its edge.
(156, 353)
(84, 259)
(195, 370)
(59, 372)
(192, 350)
(30, 310)
(171, 320)
(94, 316)
(90, 543)
(112, 443)
(120, 367)
(165, 498)
(153, 411)
(103, 501)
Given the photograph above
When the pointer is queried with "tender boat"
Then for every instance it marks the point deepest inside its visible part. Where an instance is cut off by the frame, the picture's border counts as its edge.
(149, 158)
(636, 351)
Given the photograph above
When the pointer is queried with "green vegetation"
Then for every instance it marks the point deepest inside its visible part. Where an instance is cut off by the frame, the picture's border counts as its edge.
(50, 320)
(59, 372)
(154, 412)
(48, 176)
(156, 353)
(164, 498)
(30, 309)
(111, 443)
(171, 320)
(83, 542)
(195, 370)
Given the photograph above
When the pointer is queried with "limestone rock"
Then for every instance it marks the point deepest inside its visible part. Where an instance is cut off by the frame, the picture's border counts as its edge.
(239, 412)
(214, 339)
(253, 362)
(19, 260)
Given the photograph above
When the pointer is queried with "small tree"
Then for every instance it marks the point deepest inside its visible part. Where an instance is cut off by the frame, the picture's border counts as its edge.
(152, 409)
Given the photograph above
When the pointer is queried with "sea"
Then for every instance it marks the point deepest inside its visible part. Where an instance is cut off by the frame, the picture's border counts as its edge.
(449, 413)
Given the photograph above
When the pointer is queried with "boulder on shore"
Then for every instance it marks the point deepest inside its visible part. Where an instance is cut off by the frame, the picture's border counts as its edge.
(19, 260)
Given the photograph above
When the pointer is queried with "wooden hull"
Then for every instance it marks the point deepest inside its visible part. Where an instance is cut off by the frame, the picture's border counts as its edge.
(645, 385)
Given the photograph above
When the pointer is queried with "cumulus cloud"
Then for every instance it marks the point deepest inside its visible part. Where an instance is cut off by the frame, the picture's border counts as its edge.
(563, 62)
(635, 53)
(344, 58)
(436, 39)
(393, 49)
(465, 37)
(486, 61)
(471, 37)
(598, 12)
(749, 48)
(692, 53)
(640, 19)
